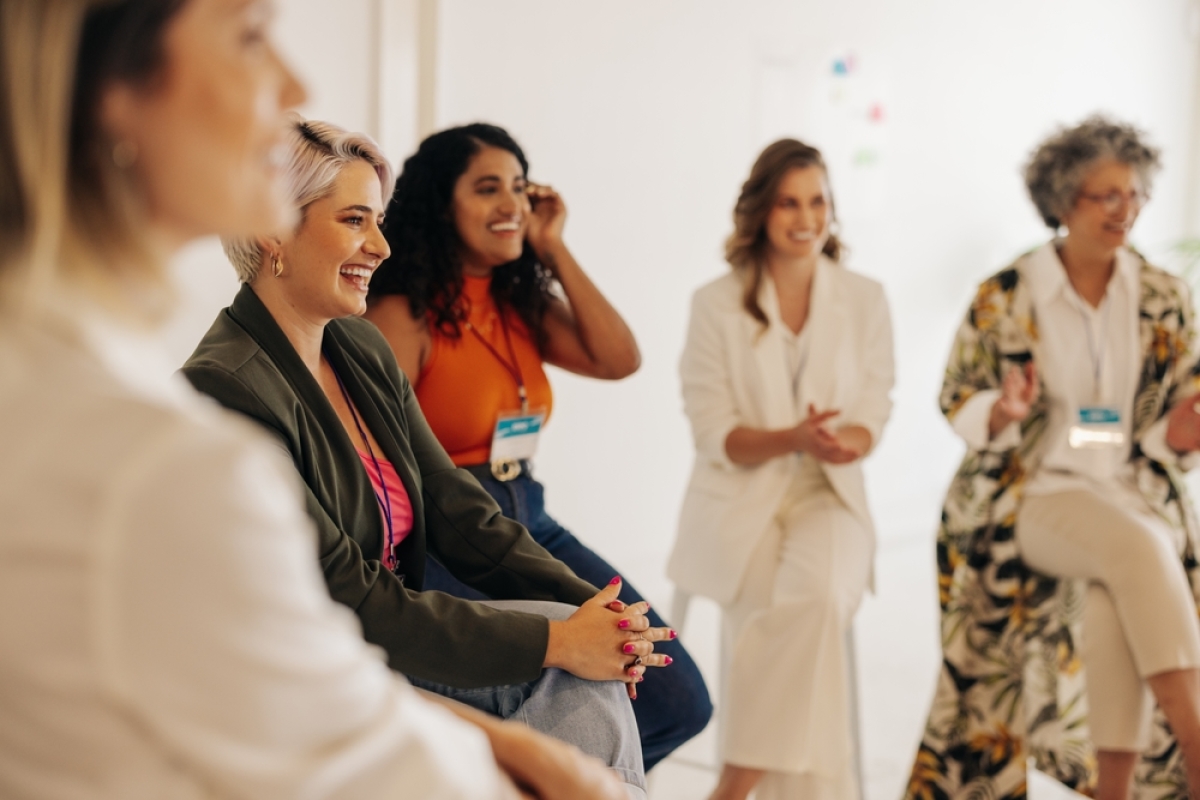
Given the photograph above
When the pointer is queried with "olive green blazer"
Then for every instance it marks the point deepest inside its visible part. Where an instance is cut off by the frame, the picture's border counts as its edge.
(247, 363)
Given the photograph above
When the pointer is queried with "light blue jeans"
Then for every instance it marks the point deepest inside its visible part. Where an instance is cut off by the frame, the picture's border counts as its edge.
(595, 716)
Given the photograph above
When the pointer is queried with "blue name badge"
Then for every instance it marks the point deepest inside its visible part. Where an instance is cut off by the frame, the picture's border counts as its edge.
(1097, 428)
(516, 435)
(1099, 415)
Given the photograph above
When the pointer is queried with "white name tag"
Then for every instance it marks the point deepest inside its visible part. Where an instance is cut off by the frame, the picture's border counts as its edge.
(1097, 428)
(516, 435)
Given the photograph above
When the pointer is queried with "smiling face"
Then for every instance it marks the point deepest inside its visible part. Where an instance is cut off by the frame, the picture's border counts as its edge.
(797, 226)
(1107, 205)
(491, 211)
(209, 129)
(329, 260)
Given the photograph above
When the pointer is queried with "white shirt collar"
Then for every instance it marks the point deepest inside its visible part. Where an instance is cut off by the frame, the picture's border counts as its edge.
(1048, 278)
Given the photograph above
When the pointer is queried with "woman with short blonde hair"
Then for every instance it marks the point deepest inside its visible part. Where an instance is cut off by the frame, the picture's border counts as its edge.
(291, 354)
(319, 151)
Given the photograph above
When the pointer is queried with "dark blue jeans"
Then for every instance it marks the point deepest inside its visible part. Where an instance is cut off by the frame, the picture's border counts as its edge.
(673, 703)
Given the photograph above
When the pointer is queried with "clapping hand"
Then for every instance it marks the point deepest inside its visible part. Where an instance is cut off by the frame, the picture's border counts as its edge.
(1183, 426)
(814, 437)
(1018, 393)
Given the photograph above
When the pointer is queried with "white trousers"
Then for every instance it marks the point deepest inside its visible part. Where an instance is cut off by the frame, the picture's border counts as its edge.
(787, 698)
(1139, 614)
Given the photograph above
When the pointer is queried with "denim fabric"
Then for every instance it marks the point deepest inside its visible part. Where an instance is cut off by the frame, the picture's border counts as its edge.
(592, 715)
(673, 703)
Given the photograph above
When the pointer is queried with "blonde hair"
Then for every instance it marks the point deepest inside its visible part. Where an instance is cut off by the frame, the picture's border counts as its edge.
(317, 152)
(746, 247)
(69, 215)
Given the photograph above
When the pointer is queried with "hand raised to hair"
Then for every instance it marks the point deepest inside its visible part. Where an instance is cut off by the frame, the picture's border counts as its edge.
(547, 218)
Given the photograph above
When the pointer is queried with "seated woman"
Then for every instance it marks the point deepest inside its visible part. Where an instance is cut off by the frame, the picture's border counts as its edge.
(470, 306)
(1073, 383)
(290, 354)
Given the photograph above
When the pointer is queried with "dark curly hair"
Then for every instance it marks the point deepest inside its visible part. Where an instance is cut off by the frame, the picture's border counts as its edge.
(426, 264)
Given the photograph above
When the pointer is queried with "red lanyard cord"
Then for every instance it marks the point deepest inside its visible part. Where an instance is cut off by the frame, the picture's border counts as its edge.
(513, 367)
(385, 502)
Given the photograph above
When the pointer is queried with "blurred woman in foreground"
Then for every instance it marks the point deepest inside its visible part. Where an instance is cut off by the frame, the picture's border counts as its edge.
(164, 631)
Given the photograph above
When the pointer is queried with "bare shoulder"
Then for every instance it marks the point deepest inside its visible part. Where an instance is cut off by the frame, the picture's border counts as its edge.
(393, 311)
(408, 336)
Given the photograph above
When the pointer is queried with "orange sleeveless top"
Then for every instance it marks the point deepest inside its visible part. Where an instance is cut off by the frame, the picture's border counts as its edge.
(464, 386)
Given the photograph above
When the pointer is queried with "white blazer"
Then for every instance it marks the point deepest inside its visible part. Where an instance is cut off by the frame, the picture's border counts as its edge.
(165, 631)
(734, 374)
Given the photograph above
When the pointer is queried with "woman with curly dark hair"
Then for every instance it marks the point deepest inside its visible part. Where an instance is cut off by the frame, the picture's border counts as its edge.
(469, 304)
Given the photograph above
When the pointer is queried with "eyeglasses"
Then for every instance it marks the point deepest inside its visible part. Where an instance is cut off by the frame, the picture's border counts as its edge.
(1111, 202)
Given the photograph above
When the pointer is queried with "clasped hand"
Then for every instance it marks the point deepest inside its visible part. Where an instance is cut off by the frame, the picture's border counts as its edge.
(605, 640)
(814, 437)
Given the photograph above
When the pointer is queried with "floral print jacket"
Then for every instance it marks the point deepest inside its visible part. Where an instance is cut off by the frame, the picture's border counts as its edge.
(1011, 685)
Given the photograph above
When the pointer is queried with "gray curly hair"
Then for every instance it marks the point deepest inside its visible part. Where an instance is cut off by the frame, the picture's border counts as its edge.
(1060, 163)
(317, 152)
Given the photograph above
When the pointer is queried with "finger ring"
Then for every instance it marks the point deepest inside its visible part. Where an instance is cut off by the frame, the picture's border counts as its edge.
(637, 662)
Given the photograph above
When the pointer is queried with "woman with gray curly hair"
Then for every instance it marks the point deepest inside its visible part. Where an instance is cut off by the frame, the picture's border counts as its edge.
(1073, 382)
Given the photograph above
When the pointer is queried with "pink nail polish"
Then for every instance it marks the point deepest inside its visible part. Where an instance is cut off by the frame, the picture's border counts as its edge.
(668, 660)
(629, 648)
(673, 634)
(641, 678)
(624, 624)
(615, 581)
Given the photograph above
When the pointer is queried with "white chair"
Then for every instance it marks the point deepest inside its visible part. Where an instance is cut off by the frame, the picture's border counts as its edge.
(681, 601)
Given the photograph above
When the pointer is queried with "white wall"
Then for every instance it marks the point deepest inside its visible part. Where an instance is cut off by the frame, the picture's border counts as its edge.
(647, 116)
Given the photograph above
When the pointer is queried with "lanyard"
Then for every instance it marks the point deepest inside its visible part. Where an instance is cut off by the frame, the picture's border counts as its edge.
(385, 502)
(1096, 351)
(514, 368)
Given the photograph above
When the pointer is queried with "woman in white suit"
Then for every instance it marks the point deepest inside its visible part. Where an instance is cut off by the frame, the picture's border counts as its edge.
(786, 378)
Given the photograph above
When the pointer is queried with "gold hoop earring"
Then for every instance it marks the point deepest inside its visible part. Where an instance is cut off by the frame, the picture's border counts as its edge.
(277, 266)
(124, 154)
